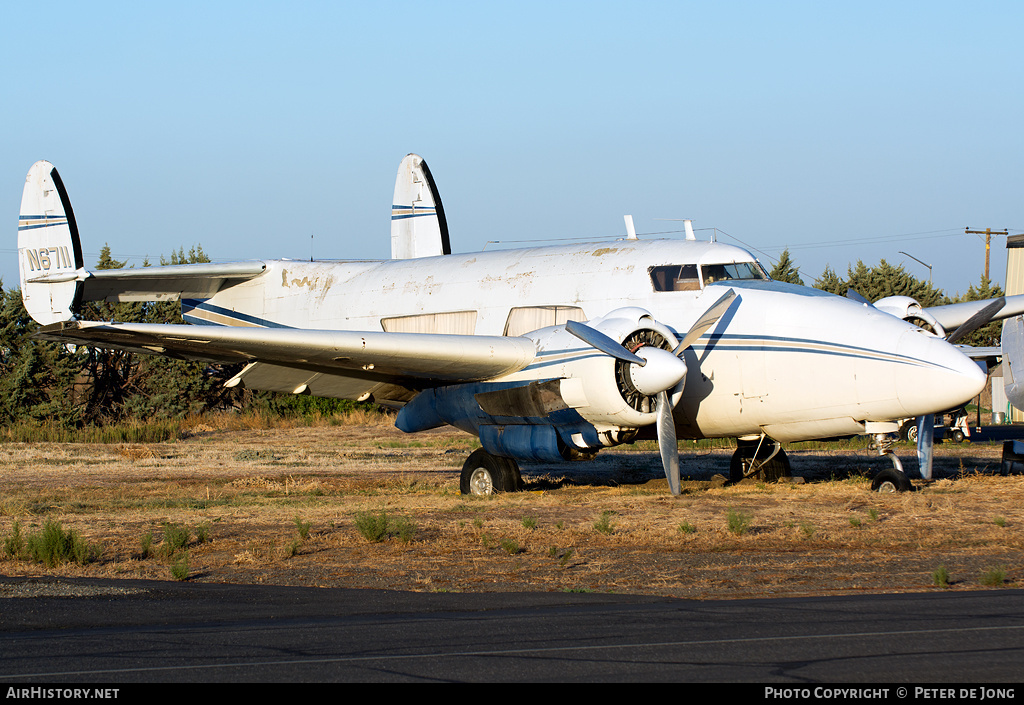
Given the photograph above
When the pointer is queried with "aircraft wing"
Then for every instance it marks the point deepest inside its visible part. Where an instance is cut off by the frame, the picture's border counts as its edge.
(953, 315)
(343, 364)
(980, 353)
(989, 356)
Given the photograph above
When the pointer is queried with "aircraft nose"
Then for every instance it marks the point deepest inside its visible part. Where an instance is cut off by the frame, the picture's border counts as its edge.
(936, 376)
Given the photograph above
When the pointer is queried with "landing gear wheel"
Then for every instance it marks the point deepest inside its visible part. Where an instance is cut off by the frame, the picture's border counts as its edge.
(484, 474)
(957, 436)
(891, 480)
(770, 471)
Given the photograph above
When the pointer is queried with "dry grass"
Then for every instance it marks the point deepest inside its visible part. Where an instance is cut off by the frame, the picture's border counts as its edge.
(253, 485)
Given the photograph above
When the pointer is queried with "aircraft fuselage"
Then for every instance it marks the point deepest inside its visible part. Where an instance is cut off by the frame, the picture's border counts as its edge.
(792, 362)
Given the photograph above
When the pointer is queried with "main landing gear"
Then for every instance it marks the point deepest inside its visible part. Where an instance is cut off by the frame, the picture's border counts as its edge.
(484, 473)
(763, 459)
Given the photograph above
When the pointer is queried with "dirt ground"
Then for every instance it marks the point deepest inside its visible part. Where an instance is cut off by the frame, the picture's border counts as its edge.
(608, 525)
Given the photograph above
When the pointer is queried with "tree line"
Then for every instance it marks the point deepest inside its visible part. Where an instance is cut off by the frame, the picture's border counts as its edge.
(72, 386)
(884, 279)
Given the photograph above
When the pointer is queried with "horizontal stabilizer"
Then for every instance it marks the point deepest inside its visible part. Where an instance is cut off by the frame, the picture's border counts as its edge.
(54, 281)
(181, 281)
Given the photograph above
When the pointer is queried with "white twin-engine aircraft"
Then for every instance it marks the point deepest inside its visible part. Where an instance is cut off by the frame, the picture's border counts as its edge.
(545, 353)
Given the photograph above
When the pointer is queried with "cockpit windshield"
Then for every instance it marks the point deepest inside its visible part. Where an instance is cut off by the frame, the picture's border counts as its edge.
(688, 277)
(723, 272)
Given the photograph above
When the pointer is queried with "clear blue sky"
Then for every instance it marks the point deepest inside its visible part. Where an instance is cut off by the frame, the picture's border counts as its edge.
(843, 131)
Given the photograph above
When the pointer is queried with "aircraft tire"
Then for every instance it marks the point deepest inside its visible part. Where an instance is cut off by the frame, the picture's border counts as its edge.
(775, 469)
(891, 480)
(484, 474)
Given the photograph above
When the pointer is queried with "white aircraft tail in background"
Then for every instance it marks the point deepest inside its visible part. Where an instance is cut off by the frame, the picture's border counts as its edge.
(418, 225)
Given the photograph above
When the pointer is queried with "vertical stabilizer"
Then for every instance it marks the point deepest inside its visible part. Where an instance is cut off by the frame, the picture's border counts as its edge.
(1012, 345)
(418, 225)
(49, 251)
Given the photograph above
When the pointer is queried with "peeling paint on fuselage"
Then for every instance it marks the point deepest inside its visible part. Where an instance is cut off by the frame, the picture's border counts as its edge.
(492, 283)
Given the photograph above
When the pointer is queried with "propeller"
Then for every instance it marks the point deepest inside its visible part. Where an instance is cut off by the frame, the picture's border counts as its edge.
(596, 339)
(925, 440)
(655, 373)
(926, 423)
(976, 321)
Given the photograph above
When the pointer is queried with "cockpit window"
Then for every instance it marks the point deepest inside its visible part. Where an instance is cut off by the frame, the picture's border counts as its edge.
(686, 277)
(723, 272)
(675, 277)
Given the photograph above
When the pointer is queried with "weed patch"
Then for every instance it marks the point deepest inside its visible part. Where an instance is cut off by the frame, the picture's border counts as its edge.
(54, 545)
(993, 577)
(377, 527)
(738, 522)
(604, 524)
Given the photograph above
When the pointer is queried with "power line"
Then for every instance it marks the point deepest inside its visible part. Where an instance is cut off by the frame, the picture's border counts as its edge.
(988, 233)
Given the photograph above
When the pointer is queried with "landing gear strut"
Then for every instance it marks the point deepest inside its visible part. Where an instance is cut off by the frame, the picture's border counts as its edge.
(765, 461)
(890, 479)
(484, 473)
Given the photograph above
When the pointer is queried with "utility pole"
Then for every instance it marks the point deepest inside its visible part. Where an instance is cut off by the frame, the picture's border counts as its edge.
(988, 233)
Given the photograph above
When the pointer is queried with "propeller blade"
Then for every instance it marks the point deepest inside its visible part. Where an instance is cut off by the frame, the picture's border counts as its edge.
(925, 440)
(602, 342)
(667, 442)
(977, 320)
(705, 322)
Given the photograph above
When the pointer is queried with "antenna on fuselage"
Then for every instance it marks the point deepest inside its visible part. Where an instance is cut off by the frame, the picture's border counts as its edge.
(630, 230)
(687, 227)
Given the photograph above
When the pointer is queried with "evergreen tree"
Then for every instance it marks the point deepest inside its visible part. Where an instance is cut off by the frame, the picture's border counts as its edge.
(37, 378)
(987, 335)
(785, 271)
(125, 384)
(879, 282)
(885, 280)
(829, 281)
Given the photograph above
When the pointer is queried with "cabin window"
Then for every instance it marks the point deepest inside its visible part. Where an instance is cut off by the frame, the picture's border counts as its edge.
(737, 270)
(451, 323)
(528, 318)
(675, 277)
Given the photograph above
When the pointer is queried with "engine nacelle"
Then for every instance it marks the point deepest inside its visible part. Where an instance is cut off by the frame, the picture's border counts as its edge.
(572, 399)
(604, 390)
(911, 311)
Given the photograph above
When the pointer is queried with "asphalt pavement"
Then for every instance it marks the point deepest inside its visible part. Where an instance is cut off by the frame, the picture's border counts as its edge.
(137, 632)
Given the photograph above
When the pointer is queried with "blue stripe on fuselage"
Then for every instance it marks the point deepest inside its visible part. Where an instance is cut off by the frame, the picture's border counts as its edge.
(203, 305)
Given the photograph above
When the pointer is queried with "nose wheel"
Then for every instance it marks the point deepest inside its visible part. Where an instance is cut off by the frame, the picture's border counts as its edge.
(890, 479)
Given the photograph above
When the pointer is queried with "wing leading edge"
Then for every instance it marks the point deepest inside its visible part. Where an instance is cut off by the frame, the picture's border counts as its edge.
(343, 364)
